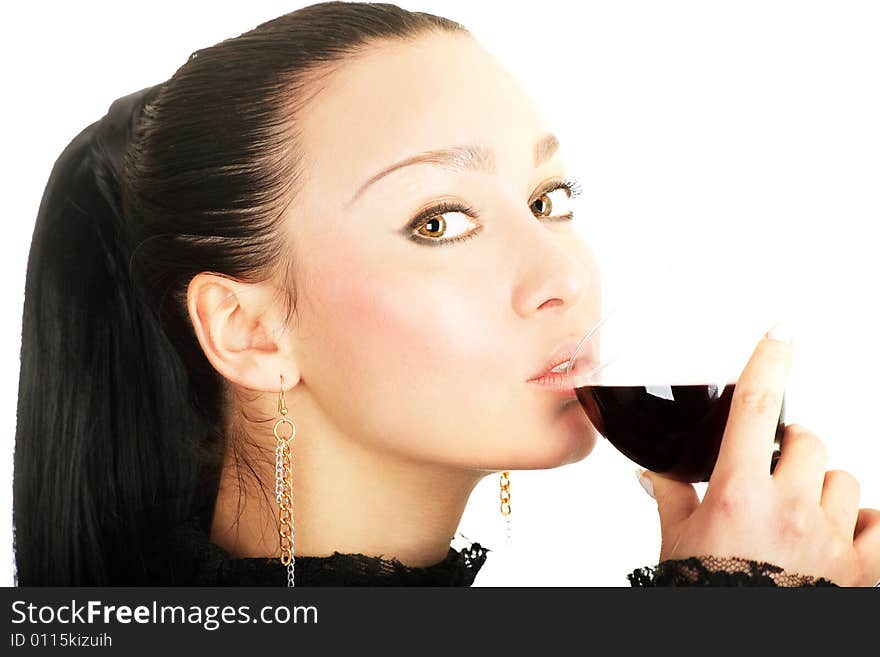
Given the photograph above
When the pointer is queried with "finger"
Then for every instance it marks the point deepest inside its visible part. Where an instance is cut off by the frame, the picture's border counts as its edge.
(867, 526)
(755, 407)
(800, 470)
(840, 500)
(867, 542)
(676, 500)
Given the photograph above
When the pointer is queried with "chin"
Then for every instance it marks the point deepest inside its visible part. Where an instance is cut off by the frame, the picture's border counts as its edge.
(577, 434)
(571, 438)
(582, 449)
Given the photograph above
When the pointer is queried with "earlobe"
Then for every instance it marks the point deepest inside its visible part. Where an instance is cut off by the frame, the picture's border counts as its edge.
(228, 318)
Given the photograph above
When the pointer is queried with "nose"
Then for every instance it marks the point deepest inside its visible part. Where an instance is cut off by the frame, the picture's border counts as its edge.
(554, 273)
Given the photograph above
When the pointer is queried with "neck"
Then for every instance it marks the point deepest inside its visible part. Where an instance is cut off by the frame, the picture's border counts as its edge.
(347, 497)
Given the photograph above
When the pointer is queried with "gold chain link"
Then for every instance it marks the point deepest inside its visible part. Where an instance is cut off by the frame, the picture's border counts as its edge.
(285, 529)
(505, 493)
(286, 517)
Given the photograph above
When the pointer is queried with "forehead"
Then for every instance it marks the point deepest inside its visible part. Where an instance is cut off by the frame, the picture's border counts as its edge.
(404, 98)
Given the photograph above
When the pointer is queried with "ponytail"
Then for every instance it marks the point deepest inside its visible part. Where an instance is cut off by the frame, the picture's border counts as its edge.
(105, 436)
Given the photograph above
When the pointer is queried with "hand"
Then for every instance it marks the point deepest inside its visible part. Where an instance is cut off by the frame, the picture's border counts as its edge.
(800, 518)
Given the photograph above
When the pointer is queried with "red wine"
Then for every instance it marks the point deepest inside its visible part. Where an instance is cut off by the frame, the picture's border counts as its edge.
(678, 437)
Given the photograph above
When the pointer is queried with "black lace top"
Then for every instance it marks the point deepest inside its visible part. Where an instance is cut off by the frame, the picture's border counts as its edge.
(720, 571)
(193, 560)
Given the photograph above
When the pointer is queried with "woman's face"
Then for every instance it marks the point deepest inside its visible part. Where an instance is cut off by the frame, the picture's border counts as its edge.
(422, 349)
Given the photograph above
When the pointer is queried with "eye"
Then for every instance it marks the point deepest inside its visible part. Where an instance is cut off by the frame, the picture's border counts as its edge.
(554, 201)
(432, 225)
(437, 222)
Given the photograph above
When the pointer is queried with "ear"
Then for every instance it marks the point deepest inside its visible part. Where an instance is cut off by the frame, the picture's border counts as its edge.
(239, 328)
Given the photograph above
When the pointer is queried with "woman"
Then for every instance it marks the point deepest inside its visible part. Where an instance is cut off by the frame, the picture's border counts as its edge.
(236, 301)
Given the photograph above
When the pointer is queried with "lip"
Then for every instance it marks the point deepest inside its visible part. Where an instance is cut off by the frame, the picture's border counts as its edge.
(561, 383)
(557, 384)
(561, 354)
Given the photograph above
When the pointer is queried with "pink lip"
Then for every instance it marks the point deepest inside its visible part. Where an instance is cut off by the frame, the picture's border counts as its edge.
(556, 384)
(563, 353)
(562, 383)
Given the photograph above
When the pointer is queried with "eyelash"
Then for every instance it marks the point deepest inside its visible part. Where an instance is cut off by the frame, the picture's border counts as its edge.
(571, 184)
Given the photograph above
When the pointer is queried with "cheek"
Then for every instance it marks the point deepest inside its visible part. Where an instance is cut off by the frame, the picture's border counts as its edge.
(399, 361)
(409, 331)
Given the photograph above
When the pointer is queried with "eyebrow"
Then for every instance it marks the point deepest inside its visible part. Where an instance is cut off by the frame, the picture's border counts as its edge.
(472, 157)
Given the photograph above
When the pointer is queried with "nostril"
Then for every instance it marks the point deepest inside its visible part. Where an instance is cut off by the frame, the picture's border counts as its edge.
(550, 303)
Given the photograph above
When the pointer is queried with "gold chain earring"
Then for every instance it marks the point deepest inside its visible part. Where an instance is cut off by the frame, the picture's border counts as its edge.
(505, 507)
(284, 486)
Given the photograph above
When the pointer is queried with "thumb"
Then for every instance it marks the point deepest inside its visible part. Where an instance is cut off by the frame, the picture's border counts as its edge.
(676, 500)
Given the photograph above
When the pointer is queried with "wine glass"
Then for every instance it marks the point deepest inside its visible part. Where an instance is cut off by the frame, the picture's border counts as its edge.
(660, 391)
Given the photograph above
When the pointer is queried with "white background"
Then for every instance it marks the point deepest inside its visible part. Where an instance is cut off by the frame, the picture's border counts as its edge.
(730, 158)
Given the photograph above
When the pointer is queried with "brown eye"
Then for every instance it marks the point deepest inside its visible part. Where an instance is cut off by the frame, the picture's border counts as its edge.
(543, 206)
(434, 227)
(437, 225)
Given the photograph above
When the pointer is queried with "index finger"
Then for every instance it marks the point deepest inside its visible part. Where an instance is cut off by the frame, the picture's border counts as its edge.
(748, 437)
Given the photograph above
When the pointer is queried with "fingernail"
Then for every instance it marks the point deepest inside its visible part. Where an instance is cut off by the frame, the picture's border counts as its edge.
(780, 332)
(645, 482)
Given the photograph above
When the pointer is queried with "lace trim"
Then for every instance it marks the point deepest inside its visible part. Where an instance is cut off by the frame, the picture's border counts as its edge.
(458, 568)
(720, 571)
(188, 558)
